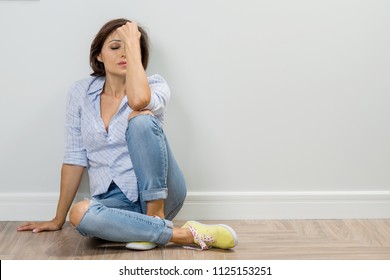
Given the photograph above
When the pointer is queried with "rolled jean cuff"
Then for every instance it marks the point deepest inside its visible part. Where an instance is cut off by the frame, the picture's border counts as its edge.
(154, 194)
(166, 235)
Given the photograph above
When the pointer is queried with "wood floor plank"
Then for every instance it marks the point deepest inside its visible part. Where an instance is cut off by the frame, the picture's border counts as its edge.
(386, 223)
(2, 226)
(35, 246)
(118, 251)
(315, 254)
(6, 257)
(122, 253)
(369, 235)
(11, 240)
(90, 249)
(65, 244)
(309, 229)
(175, 251)
(210, 255)
(282, 225)
(336, 230)
(155, 254)
(382, 228)
(266, 239)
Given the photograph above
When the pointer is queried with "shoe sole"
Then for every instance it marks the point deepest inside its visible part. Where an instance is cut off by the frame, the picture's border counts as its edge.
(141, 246)
(232, 232)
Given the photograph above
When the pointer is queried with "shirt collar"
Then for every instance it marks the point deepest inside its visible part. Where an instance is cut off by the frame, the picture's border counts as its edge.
(96, 85)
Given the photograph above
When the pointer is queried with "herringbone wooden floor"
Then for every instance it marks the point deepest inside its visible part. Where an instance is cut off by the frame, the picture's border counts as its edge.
(268, 239)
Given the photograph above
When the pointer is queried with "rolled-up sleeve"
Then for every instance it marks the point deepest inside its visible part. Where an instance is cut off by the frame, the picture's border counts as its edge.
(75, 153)
(160, 95)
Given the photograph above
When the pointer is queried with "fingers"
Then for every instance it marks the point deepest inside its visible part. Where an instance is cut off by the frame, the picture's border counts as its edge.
(129, 30)
(132, 26)
(35, 227)
(28, 226)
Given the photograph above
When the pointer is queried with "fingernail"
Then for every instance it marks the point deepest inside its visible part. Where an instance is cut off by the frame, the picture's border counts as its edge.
(34, 230)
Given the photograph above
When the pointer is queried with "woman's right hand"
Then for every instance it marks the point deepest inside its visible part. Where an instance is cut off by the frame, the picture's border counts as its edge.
(35, 227)
(70, 181)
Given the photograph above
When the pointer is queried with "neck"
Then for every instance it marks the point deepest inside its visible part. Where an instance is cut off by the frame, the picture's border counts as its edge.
(115, 86)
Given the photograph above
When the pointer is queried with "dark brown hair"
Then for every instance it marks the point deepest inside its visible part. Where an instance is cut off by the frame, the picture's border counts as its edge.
(105, 31)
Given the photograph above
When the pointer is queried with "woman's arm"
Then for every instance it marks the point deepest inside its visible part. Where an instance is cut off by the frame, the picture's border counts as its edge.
(70, 182)
(137, 85)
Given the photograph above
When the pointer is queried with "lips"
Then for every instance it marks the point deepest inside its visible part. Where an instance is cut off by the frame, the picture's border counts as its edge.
(122, 63)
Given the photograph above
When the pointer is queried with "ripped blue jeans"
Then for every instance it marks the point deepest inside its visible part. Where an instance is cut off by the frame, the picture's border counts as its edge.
(111, 216)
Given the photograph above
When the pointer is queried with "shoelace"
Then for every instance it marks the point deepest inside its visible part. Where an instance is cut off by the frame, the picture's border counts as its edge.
(200, 239)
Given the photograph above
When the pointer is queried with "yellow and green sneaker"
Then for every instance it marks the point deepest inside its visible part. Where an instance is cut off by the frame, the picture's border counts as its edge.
(208, 236)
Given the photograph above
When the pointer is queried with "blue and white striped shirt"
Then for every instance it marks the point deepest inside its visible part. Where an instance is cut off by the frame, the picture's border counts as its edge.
(88, 144)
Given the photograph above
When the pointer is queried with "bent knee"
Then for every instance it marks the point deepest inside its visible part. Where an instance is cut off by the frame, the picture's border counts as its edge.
(77, 212)
(137, 113)
(142, 126)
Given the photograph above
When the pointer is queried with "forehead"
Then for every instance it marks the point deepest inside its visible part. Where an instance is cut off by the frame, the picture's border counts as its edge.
(113, 36)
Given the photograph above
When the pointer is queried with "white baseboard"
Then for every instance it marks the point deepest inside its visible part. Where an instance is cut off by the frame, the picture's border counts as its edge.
(287, 205)
(230, 205)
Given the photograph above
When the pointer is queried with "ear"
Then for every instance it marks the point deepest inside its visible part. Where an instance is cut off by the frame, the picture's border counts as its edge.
(99, 58)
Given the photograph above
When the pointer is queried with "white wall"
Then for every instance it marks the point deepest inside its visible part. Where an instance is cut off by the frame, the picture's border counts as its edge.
(286, 100)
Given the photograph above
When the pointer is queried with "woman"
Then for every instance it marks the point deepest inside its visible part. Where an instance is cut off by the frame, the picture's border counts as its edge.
(114, 129)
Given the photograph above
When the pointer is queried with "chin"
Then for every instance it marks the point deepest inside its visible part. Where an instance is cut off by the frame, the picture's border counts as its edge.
(121, 74)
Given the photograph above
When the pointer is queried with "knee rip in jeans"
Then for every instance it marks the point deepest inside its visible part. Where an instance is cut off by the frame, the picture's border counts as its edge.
(77, 212)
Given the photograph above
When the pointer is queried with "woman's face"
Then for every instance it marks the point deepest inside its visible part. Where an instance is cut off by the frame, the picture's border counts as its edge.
(113, 55)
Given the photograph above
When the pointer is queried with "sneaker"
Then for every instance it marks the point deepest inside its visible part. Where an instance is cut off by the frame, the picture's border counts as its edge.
(208, 236)
(141, 246)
